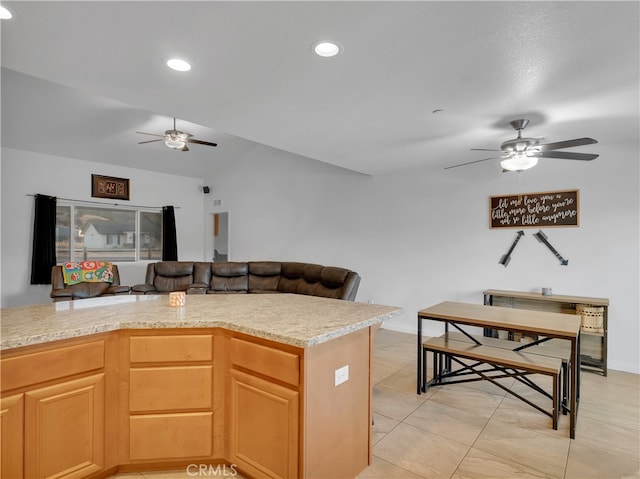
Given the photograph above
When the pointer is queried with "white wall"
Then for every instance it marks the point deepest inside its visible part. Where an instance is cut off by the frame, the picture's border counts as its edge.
(25, 173)
(418, 237)
(415, 237)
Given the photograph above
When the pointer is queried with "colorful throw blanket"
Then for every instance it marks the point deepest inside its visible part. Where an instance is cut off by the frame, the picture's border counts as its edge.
(88, 272)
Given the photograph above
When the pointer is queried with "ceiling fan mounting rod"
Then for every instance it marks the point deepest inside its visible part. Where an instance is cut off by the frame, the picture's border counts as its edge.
(519, 125)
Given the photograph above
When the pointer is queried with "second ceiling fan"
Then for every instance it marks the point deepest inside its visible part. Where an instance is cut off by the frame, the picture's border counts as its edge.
(520, 153)
(176, 139)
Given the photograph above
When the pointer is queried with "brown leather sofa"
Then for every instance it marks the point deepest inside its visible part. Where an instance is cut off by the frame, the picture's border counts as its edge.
(64, 292)
(195, 277)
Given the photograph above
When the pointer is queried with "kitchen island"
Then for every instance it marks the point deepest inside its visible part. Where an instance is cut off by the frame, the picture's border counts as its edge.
(274, 385)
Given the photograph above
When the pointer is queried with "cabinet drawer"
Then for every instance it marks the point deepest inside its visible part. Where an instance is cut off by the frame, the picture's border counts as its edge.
(165, 388)
(178, 348)
(265, 360)
(21, 371)
(171, 436)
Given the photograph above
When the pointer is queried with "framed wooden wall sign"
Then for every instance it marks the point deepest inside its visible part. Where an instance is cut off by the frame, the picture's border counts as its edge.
(535, 210)
(109, 187)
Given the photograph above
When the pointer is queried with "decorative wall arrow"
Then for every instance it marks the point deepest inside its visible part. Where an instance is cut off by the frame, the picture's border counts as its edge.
(540, 236)
(507, 257)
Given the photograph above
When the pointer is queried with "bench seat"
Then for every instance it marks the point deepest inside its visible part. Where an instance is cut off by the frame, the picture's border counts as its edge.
(555, 348)
(505, 362)
(505, 357)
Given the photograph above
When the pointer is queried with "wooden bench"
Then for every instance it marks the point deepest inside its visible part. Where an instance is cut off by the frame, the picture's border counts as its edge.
(496, 363)
(554, 348)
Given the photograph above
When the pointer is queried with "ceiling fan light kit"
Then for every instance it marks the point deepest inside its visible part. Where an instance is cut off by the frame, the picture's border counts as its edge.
(520, 154)
(519, 162)
(175, 144)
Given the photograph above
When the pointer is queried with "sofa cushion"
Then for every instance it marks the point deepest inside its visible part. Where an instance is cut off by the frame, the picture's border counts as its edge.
(265, 268)
(201, 274)
(229, 269)
(90, 290)
(314, 279)
(264, 276)
(290, 277)
(229, 277)
(174, 269)
(172, 276)
(334, 277)
(164, 284)
(304, 278)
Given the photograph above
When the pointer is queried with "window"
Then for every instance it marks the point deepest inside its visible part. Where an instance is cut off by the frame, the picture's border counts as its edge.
(109, 234)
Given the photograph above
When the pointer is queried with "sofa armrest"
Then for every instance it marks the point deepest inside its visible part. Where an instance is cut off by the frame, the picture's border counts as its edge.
(143, 289)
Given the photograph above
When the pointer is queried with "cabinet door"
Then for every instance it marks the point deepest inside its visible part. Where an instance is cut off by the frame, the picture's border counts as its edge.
(11, 437)
(263, 423)
(64, 429)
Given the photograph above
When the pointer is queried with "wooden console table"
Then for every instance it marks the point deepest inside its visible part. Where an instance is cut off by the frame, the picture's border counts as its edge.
(594, 344)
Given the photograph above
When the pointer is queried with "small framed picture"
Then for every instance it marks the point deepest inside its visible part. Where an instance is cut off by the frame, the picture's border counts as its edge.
(109, 187)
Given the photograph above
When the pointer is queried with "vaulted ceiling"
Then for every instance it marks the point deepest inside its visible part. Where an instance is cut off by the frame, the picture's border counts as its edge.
(418, 84)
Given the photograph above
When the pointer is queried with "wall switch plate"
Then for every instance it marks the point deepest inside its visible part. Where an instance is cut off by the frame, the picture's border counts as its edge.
(341, 375)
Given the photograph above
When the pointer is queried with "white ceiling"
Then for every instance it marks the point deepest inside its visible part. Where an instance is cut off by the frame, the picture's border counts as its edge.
(80, 78)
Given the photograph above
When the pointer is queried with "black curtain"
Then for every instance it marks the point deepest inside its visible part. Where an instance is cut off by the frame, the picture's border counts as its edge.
(43, 256)
(169, 241)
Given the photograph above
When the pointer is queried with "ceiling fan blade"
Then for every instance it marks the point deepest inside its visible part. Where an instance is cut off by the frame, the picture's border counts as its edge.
(200, 142)
(150, 141)
(567, 155)
(471, 162)
(152, 134)
(567, 144)
(483, 149)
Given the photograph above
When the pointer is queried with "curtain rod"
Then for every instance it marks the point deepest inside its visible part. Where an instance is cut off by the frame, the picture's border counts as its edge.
(107, 204)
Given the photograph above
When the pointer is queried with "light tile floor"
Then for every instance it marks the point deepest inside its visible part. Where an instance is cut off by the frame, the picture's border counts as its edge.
(478, 431)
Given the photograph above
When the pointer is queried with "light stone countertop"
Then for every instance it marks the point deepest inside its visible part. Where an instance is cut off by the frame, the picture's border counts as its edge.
(293, 319)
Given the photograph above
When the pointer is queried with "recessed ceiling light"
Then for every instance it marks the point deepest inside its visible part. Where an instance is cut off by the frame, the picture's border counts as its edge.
(179, 65)
(4, 13)
(326, 49)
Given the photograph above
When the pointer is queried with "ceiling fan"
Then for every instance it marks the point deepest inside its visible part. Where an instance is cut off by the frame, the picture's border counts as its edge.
(176, 139)
(520, 153)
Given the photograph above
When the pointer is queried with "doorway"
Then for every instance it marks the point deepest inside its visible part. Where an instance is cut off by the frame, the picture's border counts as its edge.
(220, 237)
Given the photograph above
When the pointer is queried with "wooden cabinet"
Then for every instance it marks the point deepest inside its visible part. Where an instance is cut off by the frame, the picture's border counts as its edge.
(64, 429)
(152, 399)
(54, 411)
(170, 402)
(263, 426)
(593, 347)
(12, 436)
(263, 410)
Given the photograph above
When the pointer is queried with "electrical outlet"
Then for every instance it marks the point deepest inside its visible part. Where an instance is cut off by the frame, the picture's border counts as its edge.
(341, 375)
